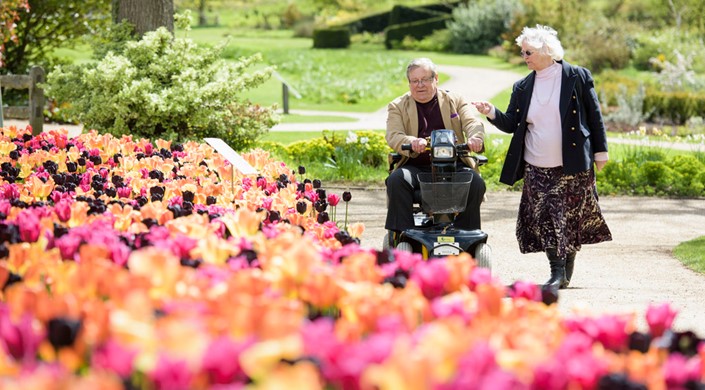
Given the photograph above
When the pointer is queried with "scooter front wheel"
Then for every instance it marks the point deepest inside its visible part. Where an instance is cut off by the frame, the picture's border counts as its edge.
(405, 246)
(483, 252)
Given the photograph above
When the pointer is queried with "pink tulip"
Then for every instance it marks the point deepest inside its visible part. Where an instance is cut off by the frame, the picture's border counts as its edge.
(660, 318)
(28, 223)
(19, 339)
(221, 360)
(333, 199)
(114, 357)
(479, 276)
(171, 374)
(63, 210)
(609, 330)
(431, 277)
(9, 191)
(525, 290)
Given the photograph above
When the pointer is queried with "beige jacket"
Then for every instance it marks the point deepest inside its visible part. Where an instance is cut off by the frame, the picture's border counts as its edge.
(403, 122)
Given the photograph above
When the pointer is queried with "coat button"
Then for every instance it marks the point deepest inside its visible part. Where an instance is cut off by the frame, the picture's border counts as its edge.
(519, 124)
(573, 97)
(574, 112)
(574, 144)
(572, 128)
(517, 110)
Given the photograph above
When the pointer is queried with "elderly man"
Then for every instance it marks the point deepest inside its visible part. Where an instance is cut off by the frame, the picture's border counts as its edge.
(410, 120)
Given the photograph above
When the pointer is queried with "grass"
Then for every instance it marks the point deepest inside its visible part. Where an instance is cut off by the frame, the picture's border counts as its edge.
(297, 118)
(692, 254)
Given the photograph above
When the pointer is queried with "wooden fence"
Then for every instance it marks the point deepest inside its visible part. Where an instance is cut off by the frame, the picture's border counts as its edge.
(35, 111)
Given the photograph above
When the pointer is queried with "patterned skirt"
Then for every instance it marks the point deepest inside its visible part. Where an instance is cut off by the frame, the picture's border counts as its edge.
(559, 211)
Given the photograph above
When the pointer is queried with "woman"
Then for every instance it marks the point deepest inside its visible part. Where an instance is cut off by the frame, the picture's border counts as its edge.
(558, 134)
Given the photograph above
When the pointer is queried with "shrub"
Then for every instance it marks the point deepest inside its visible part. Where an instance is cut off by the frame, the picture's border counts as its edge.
(164, 87)
(663, 45)
(308, 151)
(604, 44)
(628, 113)
(331, 38)
(478, 27)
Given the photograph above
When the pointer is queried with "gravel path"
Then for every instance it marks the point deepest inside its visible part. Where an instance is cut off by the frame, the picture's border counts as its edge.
(619, 277)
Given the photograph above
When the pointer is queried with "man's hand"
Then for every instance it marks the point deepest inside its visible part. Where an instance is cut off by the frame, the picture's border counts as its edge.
(419, 145)
(475, 144)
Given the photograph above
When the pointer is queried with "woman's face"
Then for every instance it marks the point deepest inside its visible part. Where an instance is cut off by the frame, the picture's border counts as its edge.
(535, 60)
(422, 84)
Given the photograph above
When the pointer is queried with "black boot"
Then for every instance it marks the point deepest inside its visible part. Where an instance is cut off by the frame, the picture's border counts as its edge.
(558, 278)
(569, 264)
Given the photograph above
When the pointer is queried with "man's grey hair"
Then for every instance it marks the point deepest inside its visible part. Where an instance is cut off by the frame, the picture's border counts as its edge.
(425, 63)
(543, 39)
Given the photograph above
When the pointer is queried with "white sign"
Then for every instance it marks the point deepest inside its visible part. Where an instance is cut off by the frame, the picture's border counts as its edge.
(231, 155)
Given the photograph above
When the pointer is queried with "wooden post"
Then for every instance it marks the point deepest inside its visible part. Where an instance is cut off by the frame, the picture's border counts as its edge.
(2, 115)
(285, 97)
(36, 100)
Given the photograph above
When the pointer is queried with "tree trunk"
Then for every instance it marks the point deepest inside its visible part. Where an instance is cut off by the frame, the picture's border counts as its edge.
(202, 21)
(145, 15)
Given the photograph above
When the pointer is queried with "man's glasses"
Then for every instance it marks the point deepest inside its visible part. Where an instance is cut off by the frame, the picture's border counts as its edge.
(427, 80)
(527, 53)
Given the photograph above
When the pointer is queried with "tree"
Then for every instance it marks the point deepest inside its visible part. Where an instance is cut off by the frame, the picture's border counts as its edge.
(48, 25)
(144, 15)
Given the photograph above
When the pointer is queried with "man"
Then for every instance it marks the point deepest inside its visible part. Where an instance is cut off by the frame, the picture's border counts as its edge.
(410, 119)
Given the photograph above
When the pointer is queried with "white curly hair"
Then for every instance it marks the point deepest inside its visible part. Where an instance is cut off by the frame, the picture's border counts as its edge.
(542, 38)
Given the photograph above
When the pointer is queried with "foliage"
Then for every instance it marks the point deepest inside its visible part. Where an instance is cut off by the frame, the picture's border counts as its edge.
(664, 45)
(628, 113)
(9, 14)
(477, 27)
(677, 75)
(162, 87)
(331, 38)
(49, 25)
(438, 41)
(652, 172)
(603, 44)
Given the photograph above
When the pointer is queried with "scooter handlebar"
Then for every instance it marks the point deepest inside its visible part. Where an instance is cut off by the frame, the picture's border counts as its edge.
(406, 147)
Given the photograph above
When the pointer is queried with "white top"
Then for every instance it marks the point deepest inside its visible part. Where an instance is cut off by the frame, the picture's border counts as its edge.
(544, 139)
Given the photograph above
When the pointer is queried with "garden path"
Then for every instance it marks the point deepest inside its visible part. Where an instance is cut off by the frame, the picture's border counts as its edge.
(622, 276)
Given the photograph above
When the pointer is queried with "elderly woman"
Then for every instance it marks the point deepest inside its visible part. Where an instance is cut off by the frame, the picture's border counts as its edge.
(558, 137)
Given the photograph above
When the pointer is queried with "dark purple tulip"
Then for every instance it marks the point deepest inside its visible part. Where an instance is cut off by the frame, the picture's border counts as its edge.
(347, 196)
(301, 207)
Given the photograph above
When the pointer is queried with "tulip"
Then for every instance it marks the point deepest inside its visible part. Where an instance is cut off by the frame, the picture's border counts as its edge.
(660, 318)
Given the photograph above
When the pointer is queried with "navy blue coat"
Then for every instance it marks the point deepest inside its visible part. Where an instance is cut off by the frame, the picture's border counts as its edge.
(581, 120)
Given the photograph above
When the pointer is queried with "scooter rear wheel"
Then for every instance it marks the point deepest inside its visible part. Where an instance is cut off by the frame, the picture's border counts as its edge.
(483, 252)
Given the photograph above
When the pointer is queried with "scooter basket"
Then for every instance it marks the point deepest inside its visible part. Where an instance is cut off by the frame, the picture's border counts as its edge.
(443, 193)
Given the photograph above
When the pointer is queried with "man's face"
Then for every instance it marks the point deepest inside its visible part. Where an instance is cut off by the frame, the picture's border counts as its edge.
(422, 84)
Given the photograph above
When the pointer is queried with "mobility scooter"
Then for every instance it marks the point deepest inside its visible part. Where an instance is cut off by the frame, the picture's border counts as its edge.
(443, 193)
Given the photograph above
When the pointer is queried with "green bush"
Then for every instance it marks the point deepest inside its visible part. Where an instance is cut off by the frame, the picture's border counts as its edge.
(165, 87)
(479, 26)
(651, 171)
(331, 38)
(394, 34)
(664, 44)
(603, 44)
(308, 151)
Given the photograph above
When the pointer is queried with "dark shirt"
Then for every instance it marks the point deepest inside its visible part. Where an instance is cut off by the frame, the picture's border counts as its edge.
(429, 119)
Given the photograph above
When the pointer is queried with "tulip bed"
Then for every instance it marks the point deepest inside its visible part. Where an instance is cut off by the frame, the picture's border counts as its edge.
(131, 264)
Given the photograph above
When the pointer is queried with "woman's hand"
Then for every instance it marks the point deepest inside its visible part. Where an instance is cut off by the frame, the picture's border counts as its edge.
(485, 108)
(600, 164)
